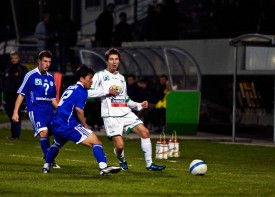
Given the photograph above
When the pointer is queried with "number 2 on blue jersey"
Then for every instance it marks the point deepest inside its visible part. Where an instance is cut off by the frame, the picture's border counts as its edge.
(65, 95)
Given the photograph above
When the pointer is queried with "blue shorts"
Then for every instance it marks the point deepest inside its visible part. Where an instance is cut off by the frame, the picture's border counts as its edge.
(41, 121)
(76, 134)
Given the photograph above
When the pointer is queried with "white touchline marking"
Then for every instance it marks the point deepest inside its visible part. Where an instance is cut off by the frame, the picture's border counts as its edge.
(24, 156)
(9, 144)
(171, 161)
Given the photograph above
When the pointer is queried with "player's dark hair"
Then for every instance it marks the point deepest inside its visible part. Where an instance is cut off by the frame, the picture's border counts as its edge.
(82, 71)
(164, 76)
(44, 53)
(112, 51)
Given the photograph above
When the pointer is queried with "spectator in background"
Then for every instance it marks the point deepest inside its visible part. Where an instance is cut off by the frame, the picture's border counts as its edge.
(132, 87)
(12, 79)
(157, 115)
(45, 34)
(67, 39)
(123, 31)
(161, 87)
(145, 93)
(3, 63)
(153, 27)
(104, 27)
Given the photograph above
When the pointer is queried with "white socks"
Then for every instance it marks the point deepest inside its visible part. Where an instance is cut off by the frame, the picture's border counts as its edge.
(146, 147)
(102, 165)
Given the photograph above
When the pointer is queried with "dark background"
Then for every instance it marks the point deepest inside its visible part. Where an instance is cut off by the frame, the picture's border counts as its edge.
(28, 15)
(197, 19)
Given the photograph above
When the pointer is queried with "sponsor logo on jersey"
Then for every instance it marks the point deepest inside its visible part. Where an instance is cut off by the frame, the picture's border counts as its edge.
(117, 88)
(38, 81)
(43, 99)
(118, 103)
(106, 78)
(118, 100)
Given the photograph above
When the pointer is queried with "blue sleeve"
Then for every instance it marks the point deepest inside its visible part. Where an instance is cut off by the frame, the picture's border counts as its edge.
(23, 89)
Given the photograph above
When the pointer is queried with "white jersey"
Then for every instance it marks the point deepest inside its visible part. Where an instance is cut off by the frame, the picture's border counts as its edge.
(112, 106)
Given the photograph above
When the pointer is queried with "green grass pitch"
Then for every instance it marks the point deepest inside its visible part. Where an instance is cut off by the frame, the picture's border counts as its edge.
(233, 170)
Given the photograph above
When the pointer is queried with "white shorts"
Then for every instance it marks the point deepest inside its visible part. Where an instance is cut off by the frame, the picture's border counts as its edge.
(115, 126)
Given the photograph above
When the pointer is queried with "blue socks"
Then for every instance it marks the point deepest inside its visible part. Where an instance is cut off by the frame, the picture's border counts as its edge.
(45, 145)
(52, 153)
(99, 153)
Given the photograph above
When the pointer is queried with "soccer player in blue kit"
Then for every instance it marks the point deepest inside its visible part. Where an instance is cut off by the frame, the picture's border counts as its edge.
(69, 123)
(39, 89)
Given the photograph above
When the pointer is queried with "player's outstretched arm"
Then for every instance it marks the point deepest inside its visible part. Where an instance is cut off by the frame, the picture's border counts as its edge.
(137, 106)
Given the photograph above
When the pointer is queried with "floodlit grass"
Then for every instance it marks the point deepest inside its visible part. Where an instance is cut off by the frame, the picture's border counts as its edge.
(233, 170)
(3, 117)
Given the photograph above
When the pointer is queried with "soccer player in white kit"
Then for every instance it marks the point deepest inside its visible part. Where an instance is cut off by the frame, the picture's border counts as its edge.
(116, 110)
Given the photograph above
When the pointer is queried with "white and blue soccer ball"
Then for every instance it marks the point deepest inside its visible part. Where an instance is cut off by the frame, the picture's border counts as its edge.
(198, 167)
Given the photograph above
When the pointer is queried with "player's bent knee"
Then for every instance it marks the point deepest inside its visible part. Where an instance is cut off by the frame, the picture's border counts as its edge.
(145, 133)
(91, 141)
(44, 133)
(97, 142)
(119, 147)
(57, 145)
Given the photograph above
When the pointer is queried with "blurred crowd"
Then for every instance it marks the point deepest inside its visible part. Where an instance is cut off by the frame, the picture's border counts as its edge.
(173, 20)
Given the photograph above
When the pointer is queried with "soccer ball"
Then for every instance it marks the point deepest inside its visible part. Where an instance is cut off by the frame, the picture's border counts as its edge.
(198, 167)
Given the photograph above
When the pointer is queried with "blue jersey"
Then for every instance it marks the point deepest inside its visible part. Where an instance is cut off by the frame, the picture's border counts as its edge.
(66, 116)
(39, 91)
